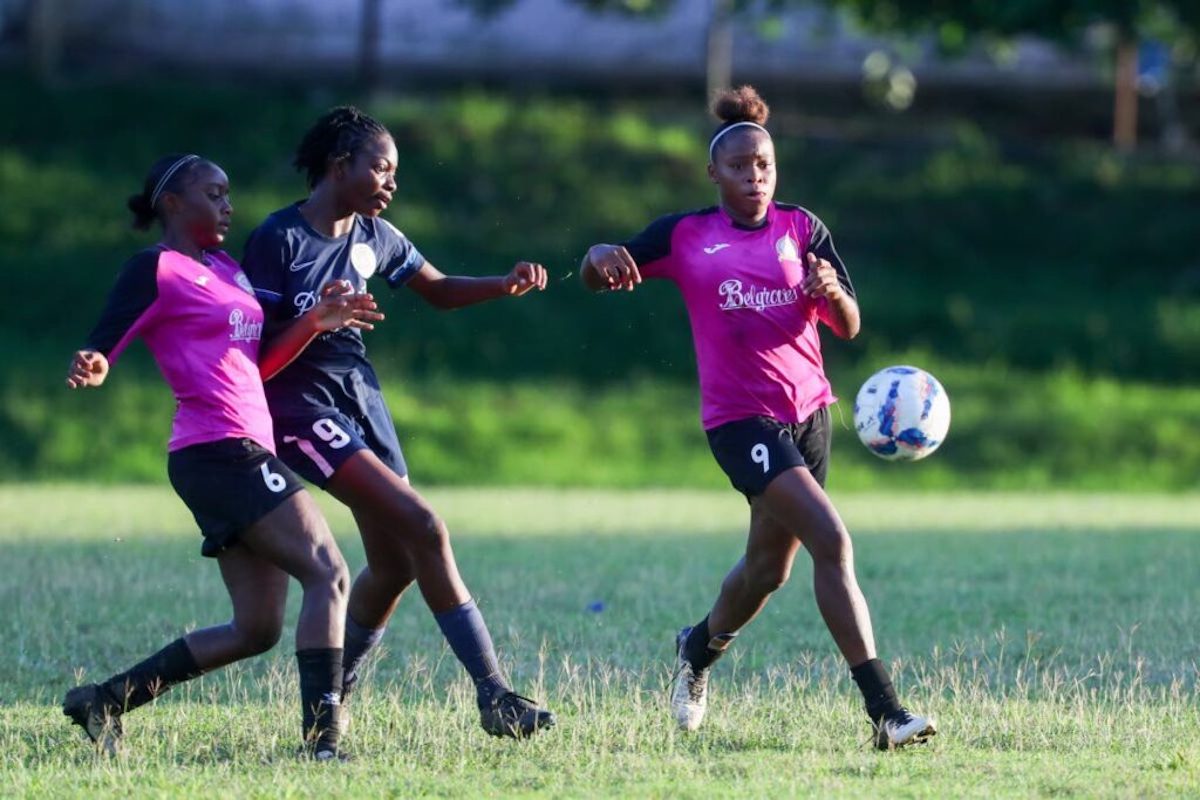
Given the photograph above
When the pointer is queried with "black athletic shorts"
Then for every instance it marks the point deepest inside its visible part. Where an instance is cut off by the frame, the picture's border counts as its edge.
(318, 443)
(754, 451)
(229, 485)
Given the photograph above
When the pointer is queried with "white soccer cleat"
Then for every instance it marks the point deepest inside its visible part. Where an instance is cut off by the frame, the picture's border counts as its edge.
(689, 694)
(903, 728)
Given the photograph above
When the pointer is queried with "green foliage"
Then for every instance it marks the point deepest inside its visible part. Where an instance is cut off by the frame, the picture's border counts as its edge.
(1055, 292)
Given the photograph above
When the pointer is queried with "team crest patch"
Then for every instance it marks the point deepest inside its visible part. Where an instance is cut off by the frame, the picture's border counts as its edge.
(362, 258)
(241, 280)
(787, 248)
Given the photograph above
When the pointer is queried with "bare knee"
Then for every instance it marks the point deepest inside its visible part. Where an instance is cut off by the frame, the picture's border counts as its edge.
(257, 636)
(766, 576)
(424, 532)
(830, 546)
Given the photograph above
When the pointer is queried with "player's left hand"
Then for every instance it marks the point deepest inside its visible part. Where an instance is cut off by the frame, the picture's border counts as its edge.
(342, 307)
(525, 277)
(821, 279)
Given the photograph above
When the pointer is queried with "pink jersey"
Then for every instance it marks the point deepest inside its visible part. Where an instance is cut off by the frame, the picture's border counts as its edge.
(755, 332)
(203, 326)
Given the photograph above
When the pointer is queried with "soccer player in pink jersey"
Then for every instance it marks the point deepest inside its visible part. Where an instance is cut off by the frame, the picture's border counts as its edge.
(757, 277)
(196, 311)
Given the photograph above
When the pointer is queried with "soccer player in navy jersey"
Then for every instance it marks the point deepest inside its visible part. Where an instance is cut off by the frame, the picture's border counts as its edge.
(757, 277)
(331, 422)
(196, 311)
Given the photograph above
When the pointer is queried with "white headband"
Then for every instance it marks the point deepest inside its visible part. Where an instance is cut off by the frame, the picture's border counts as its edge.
(162, 182)
(712, 146)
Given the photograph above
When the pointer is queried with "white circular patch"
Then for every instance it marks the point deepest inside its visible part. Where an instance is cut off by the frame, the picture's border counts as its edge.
(362, 258)
(241, 280)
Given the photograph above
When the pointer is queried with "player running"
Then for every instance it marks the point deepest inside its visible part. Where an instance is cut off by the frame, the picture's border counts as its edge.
(195, 309)
(757, 276)
(331, 422)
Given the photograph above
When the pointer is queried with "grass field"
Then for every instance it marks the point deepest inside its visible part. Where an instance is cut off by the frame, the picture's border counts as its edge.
(1055, 637)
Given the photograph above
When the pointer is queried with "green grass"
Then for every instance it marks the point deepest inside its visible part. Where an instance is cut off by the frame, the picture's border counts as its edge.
(1054, 637)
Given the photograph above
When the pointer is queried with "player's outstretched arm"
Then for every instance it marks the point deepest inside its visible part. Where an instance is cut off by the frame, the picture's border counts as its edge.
(340, 307)
(88, 368)
(455, 291)
(840, 310)
(609, 267)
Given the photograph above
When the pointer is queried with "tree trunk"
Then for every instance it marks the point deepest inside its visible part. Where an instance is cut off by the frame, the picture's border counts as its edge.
(718, 64)
(45, 43)
(1125, 100)
(368, 46)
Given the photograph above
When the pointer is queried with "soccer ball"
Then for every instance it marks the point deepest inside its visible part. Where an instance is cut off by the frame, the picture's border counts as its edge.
(902, 414)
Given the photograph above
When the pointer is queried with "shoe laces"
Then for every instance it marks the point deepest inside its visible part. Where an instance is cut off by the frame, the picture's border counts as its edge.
(697, 683)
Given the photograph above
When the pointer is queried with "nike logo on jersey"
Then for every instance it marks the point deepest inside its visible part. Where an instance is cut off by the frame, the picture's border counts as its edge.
(716, 248)
(302, 265)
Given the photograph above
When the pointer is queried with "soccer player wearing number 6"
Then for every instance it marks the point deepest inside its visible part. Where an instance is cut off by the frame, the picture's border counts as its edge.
(195, 309)
(332, 424)
(757, 277)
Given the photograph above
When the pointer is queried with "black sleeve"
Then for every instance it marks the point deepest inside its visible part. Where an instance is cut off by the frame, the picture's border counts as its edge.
(654, 243)
(265, 261)
(820, 244)
(134, 292)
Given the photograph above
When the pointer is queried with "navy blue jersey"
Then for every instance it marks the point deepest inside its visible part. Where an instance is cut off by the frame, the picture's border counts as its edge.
(288, 262)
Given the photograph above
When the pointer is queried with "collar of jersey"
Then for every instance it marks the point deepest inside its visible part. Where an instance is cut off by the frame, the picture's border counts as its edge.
(310, 230)
(766, 223)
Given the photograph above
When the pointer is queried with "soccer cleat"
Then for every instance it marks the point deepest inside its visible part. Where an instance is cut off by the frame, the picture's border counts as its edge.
(689, 694)
(901, 728)
(100, 720)
(514, 716)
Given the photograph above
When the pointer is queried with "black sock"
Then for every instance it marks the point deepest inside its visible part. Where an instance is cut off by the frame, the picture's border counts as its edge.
(145, 681)
(876, 687)
(320, 695)
(468, 637)
(360, 641)
(701, 648)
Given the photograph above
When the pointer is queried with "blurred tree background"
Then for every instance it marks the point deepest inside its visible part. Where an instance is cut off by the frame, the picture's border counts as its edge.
(1047, 274)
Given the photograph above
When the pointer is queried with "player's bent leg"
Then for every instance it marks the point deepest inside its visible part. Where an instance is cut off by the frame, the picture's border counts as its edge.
(797, 501)
(390, 511)
(770, 552)
(399, 522)
(296, 538)
(258, 591)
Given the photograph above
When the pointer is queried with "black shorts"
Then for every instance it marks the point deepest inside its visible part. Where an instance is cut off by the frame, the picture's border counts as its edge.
(229, 485)
(316, 445)
(754, 451)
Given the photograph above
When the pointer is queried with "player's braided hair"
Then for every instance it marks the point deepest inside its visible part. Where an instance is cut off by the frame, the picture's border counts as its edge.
(144, 205)
(337, 135)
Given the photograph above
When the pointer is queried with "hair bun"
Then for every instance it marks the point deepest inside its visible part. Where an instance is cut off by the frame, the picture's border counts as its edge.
(143, 212)
(742, 104)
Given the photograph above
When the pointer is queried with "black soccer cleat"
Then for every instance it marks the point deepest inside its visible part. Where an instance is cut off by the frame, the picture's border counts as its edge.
(89, 708)
(517, 717)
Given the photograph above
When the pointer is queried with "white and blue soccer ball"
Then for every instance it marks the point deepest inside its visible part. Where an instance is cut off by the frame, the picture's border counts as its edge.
(902, 413)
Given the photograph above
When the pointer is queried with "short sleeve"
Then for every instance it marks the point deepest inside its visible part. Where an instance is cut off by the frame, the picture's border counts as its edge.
(265, 261)
(402, 259)
(820, 244)
(128, 308)
(651, 249)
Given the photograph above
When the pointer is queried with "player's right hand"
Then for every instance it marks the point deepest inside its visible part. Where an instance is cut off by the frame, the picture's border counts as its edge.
(615, 266)
(88, 368)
